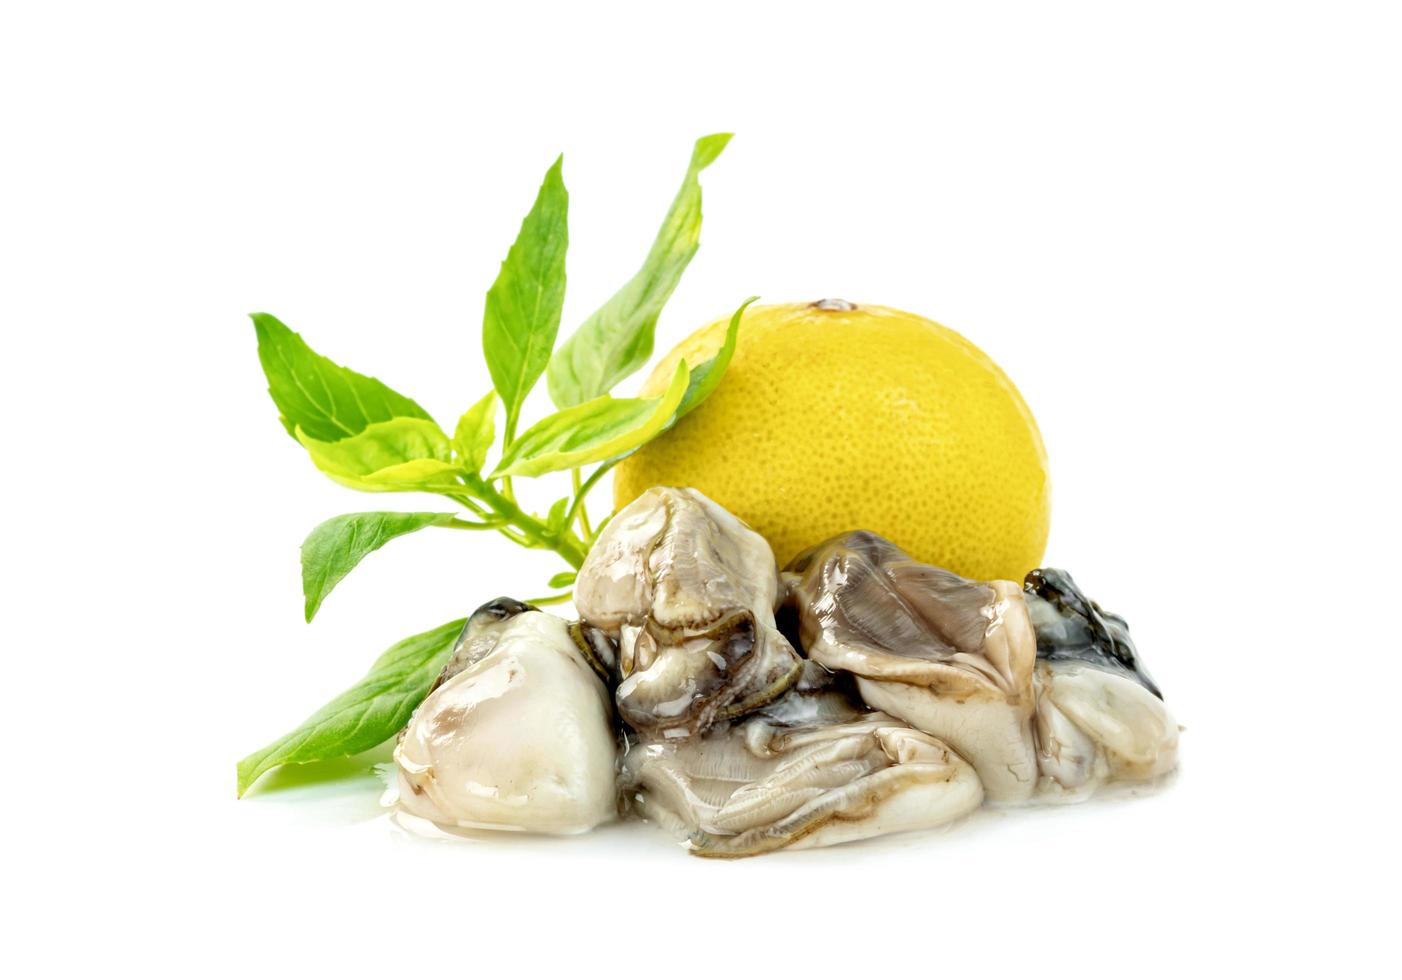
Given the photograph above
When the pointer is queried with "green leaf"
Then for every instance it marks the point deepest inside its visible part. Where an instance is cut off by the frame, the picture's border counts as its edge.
(475, 434)
(336, 546)
(522, 314)
(617, 339)
(372, 710)
(590, 433)
(708, 374)
(562, 579)
(401, 454)
(555, 520)
(323, 399)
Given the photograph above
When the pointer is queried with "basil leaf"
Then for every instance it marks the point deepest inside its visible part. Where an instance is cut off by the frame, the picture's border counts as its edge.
(475, 434)
(336, 546)
(323, 399)
(590, 433)
(555, 520)
(707, 374)
(376, 707)
(401, 454)
(522, 314)
(617, 339)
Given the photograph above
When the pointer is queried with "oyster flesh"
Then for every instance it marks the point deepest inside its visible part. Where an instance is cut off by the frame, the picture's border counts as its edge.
(1100, 716)
(949, 656)
(809, 770)
(517, 733)
(687, 591)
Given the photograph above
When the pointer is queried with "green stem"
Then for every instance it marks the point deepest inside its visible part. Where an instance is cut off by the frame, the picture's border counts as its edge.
(500, 524)
(582, 491)
(536, 534)
(550, 600)
(471, 505)
(508, 437)
(583, 508)
(487, 525)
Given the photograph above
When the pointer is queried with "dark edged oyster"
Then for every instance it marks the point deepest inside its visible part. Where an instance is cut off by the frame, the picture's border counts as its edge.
(811, 769)
(517, 733)
(1070, 626)
(479, 636)
(1100, 716)
(949, 656)
(687, 593)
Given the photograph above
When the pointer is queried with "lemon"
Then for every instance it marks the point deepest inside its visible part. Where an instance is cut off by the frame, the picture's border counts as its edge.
(835, 417)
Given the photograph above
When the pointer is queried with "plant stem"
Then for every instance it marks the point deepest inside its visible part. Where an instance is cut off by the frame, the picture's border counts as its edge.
(582, 491)
(500, 524)
(550, 600)
(471, 505)
(583, 508)
(508, 437)
(487, 525)
(533, 533)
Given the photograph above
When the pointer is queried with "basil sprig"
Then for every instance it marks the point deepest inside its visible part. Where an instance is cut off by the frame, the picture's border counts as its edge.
(369, 437)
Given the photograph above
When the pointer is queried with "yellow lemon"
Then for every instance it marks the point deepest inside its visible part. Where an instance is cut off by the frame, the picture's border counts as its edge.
(835, 417)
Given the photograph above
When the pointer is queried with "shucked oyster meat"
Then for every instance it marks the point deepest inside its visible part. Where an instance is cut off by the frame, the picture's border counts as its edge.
(947, 655)
(1100, 716)
(922, 694)
(811, 769)
(517, 733)
(1071, 627)
(688, 592)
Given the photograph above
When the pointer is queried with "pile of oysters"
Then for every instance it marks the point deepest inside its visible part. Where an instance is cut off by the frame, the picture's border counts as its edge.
(887, 695)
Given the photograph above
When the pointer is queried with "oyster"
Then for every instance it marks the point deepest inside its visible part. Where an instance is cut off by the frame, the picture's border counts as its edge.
(811, 769)
(1100, 716)
(516, 734)
(479, 636)
(687, 591)
(949, 656)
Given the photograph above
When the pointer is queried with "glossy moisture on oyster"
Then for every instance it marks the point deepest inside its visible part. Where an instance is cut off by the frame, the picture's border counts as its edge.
(687, 592)
(811, 769)
(949, 656)
(516, 734)
(1100, 716)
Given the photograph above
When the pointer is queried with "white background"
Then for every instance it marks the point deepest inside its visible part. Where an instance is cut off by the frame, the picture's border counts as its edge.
(1176, 228)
